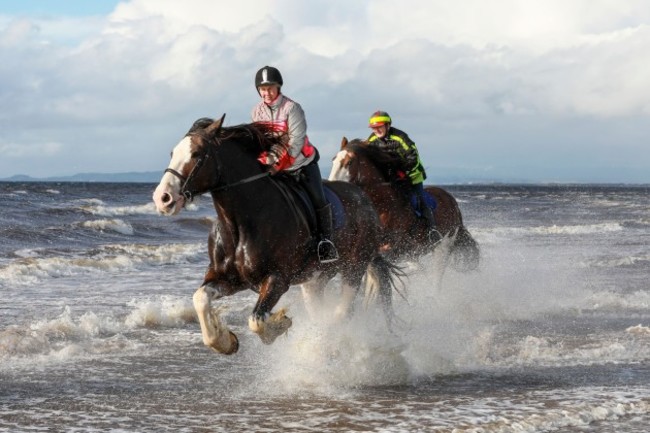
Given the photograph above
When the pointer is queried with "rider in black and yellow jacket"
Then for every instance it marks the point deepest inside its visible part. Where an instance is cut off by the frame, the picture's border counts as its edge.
(390, 139)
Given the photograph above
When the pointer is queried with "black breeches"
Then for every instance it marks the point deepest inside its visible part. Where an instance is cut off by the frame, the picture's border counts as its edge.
(314, 184)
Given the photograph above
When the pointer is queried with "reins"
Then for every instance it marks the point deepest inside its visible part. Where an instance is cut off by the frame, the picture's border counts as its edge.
(242, 181)
(189, 195)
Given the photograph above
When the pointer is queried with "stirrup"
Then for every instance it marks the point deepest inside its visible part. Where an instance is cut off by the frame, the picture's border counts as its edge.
(434, 236)
(327, 251)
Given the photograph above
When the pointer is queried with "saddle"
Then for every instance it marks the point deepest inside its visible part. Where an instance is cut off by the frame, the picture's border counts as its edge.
(405, 188)
(298, 199)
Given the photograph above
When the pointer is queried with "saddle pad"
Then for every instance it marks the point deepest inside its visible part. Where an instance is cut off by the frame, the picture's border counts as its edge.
(338, 215)
(429, 200)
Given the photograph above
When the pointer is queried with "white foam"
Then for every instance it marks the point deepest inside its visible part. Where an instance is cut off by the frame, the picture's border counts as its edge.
(546, 352)
(639, 330)
(454, 323)
(614, 262)
(579, 229)
(98, 207)
(68, 336)
(108, 258)
(332, 356)
(611, 301)
(62, 338)
(164, 312)
(27, 252)
(103, 210)
(114, 225)
(514, 417)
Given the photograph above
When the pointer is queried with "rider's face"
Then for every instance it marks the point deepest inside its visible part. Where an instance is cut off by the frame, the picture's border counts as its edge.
(269, 92)
(380, 131)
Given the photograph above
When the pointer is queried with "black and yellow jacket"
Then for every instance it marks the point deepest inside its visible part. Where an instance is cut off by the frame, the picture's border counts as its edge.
(399, 142)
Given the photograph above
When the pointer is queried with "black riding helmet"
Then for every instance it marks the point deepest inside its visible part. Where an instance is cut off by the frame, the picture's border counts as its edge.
(268, 75)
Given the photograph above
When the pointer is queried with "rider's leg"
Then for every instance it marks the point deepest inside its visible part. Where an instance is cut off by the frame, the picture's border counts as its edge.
(427, 214)
(314, 184)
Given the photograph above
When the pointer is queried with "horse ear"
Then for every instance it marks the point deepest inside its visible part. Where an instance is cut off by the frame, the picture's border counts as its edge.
(214, 127)
(344, 143)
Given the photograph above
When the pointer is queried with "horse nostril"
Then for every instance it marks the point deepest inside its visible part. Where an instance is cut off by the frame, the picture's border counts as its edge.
(166, 198)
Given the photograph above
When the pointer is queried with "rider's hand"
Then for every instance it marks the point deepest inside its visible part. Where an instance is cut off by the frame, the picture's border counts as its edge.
(278, 150)
(271, 159)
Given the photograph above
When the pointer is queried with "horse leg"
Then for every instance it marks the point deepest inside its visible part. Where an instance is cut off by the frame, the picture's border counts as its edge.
(269, 326)
(349, 291)
(216, 334)
(465, 251)
(382, 277)
(312, 294)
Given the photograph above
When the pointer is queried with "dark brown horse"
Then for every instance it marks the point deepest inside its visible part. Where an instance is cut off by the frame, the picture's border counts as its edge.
(262, 239)
(405, 232)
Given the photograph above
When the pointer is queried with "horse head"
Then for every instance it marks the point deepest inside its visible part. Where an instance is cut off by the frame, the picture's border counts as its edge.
(359, 163)
(192, 169)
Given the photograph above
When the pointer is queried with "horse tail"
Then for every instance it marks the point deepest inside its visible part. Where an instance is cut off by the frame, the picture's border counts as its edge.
(465, 252)
(382, 277)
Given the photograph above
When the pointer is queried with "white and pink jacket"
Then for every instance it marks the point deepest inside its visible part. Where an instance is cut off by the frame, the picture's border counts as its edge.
(286, 115)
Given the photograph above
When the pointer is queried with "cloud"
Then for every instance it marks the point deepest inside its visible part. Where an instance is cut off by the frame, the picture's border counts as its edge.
(480, 84)
(30, 150)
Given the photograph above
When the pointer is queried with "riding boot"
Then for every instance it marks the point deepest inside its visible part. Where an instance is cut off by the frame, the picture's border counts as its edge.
(432, 232)
(326, 250)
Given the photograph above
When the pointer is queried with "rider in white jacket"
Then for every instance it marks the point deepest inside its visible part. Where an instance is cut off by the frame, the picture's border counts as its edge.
(287, 116)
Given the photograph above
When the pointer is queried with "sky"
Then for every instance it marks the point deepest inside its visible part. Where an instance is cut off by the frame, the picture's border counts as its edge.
(500, 90)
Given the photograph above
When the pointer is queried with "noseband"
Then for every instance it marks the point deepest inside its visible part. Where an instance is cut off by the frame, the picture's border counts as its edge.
(189, 194)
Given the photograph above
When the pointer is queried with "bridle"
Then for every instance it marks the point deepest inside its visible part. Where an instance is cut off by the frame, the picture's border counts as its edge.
(209, 153)
(358, 179)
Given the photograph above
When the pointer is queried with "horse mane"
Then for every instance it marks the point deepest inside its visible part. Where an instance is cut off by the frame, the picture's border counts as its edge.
(252, 137)
(384, 161)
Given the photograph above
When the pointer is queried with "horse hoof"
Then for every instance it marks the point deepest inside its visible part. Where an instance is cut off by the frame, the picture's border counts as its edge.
(234, 344)
(271, 328)
(232, 348)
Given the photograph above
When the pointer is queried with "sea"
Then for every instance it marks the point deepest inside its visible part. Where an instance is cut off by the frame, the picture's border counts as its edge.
(551, 333)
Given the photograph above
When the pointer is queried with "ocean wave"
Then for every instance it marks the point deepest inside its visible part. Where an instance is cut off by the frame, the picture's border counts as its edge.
(68, 336)
(626, 345)
(164, 312)
(107, 258)
(611, 301)
(114, 225)
(63, 337)
(639, 330)
(594, 409)
(615, 262)
(98, 207)
(544, 351)
(578, 229)
(552, 229)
